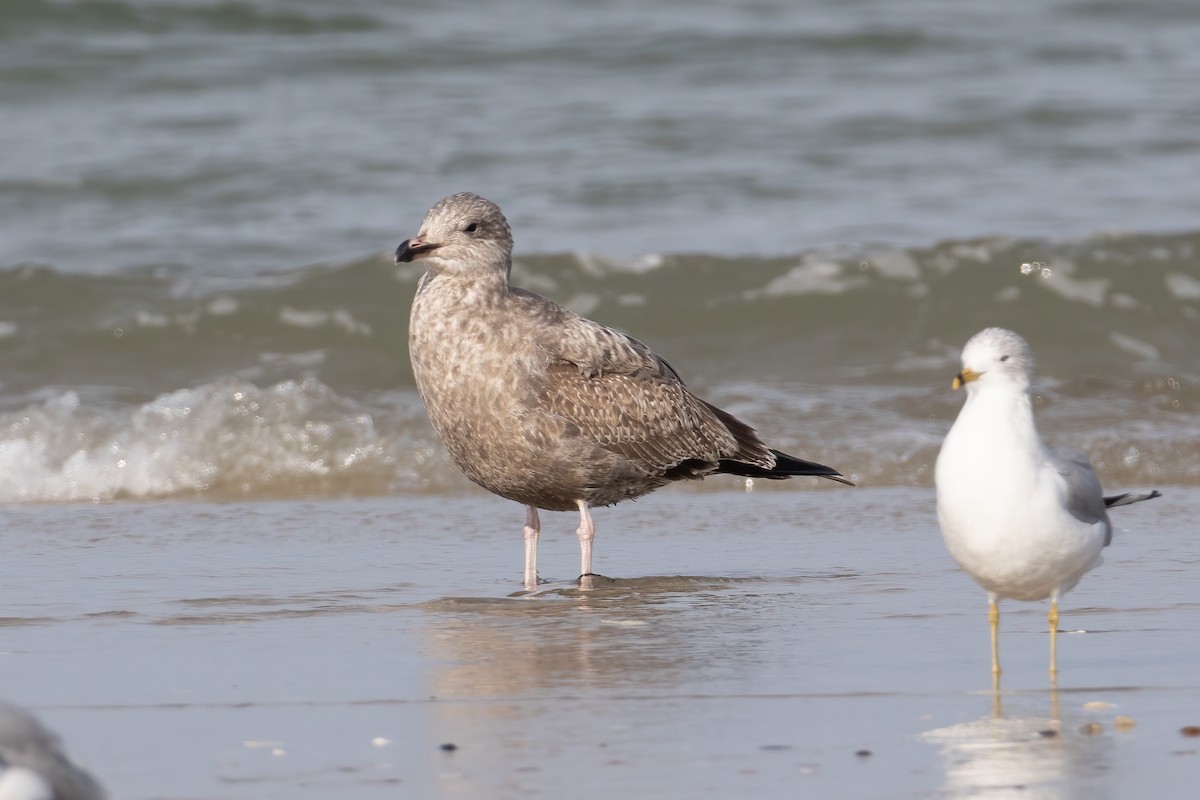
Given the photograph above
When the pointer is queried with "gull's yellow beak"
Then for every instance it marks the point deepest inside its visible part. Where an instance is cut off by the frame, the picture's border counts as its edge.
(965, 377)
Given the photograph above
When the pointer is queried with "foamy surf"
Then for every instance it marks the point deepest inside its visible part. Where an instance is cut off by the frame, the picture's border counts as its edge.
(285, 384)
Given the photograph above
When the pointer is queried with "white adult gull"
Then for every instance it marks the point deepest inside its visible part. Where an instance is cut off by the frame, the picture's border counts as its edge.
(542, 406)
(1024, 519)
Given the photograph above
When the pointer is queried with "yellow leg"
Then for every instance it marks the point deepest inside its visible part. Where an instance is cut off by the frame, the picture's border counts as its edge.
(994, 620)
(1052, 618)
(1055, 706)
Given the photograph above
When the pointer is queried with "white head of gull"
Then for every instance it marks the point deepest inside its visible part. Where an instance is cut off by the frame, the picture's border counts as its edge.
(542, 406)
(1024, 519)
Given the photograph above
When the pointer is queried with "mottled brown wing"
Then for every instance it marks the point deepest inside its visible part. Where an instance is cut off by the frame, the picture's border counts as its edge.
(625, 397)
(593, 348)
(654, 421)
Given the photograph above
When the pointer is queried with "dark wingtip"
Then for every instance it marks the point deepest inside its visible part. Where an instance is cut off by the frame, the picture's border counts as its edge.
(1130, 498)
(785, 467)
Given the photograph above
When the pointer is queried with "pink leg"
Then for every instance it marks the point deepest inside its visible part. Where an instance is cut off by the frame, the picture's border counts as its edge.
(587, 532)
(533, 527)
(1052, 618)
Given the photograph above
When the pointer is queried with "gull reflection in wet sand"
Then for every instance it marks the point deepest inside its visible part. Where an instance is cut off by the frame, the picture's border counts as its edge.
(1024, 754)
(514, 679)
(627, 634)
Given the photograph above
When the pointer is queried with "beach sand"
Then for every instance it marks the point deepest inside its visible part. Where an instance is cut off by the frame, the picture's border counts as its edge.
(781, 643)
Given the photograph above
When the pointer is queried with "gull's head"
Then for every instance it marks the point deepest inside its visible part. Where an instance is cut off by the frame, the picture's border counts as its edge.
(995, 356)
(461, 234)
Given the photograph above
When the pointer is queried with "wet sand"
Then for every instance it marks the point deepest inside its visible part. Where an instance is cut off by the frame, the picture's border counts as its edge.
(775, 644)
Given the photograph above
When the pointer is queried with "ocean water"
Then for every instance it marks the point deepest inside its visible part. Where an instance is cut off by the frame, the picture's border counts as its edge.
(206, 408)
(806, 208)
(132, 386)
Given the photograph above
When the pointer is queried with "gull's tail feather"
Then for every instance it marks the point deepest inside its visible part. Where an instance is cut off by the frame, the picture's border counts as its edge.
(785, 467)
(1130, 497)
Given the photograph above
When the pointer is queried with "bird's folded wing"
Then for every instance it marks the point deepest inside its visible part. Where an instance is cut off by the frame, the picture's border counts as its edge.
(625, 397)
(593, 348)
(1081, 487)
(649, 419)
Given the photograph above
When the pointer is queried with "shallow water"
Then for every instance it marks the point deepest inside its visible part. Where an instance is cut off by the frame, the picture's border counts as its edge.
(746, 644)
(806, 208)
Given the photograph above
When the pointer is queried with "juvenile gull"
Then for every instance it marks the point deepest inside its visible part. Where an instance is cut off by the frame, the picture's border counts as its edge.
(33, 765)
(1024, 519)
(542, 406)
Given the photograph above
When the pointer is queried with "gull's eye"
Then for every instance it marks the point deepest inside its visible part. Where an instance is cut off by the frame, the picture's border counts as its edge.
(474, 226)
(1004, 358)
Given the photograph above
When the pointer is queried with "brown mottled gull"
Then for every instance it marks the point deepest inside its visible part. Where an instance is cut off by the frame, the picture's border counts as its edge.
(542, 406)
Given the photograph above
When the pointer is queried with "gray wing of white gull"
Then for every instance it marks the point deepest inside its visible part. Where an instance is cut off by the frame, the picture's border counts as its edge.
(1085, 497)
(32, 761)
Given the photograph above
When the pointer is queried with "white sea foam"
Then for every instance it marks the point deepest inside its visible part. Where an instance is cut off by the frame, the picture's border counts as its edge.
(229, 436)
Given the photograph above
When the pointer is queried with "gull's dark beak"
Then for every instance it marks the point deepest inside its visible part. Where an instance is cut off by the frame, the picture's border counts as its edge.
(413, 248)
